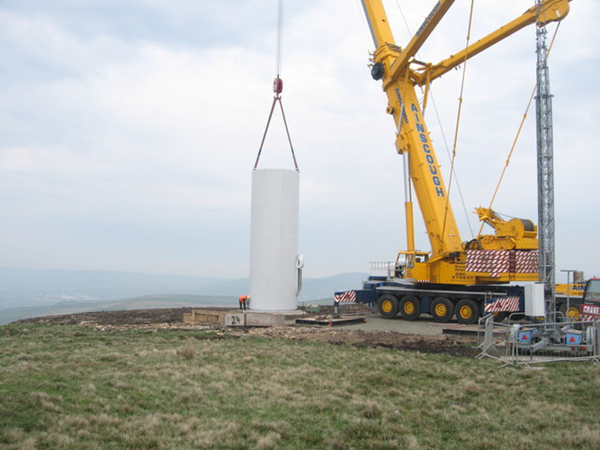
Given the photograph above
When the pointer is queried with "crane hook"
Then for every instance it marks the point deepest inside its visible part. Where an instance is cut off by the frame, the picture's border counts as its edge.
(277, 85)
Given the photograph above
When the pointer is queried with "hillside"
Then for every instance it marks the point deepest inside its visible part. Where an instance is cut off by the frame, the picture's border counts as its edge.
(74, 387)
(29, 293)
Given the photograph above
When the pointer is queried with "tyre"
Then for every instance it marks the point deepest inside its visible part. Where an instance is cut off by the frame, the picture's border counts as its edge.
(441, 309)
(573, 312)
(499, 316)
(467, 311)
(387, 305)
(410, 307)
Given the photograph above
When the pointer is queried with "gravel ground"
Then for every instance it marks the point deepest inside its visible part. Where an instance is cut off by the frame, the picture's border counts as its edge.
(423, 327)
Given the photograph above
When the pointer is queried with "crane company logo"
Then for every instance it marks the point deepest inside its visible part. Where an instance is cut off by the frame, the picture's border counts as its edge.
(429, 17)
(427, 149)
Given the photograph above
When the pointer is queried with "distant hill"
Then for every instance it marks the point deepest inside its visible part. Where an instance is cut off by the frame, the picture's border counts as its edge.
(143, 302)
(32, 287)
(30, 293)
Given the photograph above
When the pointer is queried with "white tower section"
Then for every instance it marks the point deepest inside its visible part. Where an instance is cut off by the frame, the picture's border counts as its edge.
(275, 267)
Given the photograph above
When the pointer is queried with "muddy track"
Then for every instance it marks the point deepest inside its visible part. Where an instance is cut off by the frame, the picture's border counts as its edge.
(454, 346)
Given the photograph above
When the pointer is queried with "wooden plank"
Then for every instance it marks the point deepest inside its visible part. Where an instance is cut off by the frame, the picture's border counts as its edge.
(464, 330)
(331, 321)
(203, 317)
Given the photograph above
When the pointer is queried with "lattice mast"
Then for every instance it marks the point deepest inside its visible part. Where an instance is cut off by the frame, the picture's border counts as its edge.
(545, 165)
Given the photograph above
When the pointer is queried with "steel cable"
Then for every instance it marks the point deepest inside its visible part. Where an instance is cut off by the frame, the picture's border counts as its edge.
(460, 101)
(510, 153)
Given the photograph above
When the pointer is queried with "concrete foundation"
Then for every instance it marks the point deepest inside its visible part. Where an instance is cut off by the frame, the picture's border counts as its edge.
(235, 318)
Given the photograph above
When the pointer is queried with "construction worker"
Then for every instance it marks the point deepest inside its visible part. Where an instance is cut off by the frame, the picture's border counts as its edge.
(244, 300)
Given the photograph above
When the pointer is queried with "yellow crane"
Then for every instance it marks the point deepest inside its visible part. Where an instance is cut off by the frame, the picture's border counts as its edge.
(449, 278)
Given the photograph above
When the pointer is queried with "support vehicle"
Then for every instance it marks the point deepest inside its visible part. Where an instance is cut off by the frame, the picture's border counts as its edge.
(569, 297)
(590, 306)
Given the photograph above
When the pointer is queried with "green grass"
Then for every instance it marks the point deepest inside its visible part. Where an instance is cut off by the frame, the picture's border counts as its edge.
(79, 388)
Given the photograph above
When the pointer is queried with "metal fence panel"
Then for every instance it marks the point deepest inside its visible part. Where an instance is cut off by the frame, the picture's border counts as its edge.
(535, 343)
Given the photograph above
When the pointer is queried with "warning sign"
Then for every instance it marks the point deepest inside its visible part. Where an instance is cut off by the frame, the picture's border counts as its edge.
(524, 337)
(573, 337)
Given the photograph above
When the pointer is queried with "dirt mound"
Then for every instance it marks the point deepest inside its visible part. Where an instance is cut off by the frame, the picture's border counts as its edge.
(134, 317)
(173, 318)
(455, 345)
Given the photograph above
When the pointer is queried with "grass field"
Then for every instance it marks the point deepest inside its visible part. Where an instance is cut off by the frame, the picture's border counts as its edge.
(65, 387)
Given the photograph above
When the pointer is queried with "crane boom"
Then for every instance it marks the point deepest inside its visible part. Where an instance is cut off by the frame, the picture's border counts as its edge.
(412, 135)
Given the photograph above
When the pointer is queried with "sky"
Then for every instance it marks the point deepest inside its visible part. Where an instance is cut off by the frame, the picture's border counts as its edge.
(129, 130)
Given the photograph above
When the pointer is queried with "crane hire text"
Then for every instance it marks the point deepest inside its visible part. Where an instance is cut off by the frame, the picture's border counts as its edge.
(427, 149)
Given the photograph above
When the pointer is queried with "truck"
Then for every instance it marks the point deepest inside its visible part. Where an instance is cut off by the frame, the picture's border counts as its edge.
(590, 304)
(456, 278)
(569, 296)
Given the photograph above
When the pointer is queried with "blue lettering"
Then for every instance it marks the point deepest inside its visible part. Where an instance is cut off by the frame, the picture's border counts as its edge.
(428, 19)
(427, 149)
(398, 95)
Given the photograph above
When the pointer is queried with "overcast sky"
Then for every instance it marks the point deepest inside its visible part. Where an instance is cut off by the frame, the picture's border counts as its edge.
(129, 129)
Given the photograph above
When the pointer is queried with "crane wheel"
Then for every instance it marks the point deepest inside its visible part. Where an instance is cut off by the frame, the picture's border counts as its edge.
(573, 312)
(441, 309)
(387, 305)
(410, 307)
(467, 311)
(499, 316)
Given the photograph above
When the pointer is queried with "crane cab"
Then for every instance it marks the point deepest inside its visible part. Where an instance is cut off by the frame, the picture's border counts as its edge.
(412, 265)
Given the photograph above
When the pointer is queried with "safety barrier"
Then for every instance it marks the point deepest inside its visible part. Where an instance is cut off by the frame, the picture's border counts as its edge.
(535, 343)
